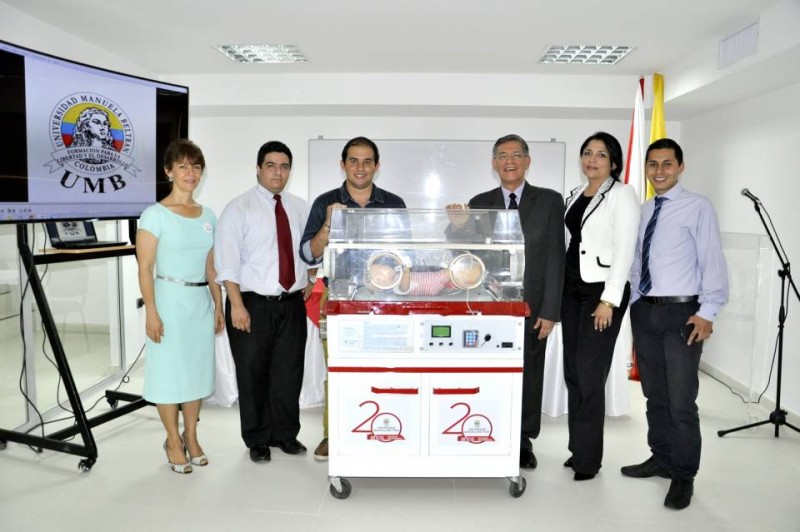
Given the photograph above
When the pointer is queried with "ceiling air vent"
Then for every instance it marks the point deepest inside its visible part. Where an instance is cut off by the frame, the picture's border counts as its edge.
(738, 46)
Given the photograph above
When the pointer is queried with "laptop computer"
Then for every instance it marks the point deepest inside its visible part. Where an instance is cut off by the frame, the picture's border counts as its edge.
(76, 235)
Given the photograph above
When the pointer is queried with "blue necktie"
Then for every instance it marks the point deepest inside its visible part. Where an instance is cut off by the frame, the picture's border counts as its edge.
(512, 201)
(646, 283)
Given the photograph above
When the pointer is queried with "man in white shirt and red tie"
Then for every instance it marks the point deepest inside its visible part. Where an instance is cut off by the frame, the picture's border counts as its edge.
(255, 251)
(679, 282)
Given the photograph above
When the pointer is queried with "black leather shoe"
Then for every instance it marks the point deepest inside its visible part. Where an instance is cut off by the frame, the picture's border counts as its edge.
(527, 460)
(583, 476)
(680, 493)
(260, 453)
(569, 462)
(290, 446)
(648, 468)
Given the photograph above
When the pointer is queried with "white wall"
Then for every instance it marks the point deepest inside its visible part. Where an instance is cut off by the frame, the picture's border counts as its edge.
(231, 144)
(753, 144)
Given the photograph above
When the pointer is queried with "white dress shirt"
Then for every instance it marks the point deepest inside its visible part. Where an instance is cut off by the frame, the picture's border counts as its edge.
(246, 243)
(517, 194)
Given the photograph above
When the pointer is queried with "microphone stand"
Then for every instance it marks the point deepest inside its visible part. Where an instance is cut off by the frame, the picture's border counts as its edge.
(778, 416)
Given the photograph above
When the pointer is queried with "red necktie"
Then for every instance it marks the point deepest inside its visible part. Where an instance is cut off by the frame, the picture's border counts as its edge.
(285, 253)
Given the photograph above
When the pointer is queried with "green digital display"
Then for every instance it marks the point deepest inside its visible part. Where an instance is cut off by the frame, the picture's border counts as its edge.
(440, 331)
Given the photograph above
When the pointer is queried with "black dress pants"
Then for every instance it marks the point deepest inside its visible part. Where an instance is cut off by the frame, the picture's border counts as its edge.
(668, 371)
(532, 384)
(588, 353)
(269, 367)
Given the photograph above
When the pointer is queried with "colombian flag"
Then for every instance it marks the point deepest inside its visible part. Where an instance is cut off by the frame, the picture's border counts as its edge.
(634, 166)
(634, 173)
(658, 127)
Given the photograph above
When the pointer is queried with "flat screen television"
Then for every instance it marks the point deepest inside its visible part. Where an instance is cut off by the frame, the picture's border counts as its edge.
(80, 142)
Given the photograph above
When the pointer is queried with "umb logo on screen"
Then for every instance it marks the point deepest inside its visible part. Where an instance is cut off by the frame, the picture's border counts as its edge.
(93, 141)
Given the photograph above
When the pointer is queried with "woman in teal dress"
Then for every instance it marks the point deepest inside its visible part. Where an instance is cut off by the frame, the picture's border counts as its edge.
(183, 304)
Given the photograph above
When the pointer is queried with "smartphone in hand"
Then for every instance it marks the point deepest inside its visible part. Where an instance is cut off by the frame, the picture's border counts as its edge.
(686, 331)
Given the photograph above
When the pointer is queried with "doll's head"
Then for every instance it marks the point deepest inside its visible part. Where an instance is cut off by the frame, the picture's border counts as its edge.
(382, 277)
(466, 271)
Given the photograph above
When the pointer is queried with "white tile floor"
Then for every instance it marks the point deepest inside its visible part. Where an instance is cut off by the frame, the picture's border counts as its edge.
(748, 481)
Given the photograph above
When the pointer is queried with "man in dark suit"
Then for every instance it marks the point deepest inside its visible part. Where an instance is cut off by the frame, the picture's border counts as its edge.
(541, 213)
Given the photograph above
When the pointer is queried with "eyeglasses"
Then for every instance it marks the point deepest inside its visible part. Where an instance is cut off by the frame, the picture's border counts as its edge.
(510, 156)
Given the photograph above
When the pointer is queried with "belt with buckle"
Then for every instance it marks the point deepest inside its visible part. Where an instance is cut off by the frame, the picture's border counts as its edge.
(180, 281)
(663, 300)
(283, 296)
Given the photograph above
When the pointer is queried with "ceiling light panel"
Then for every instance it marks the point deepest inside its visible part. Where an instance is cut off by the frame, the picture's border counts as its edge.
(262, 53)
(584, 54)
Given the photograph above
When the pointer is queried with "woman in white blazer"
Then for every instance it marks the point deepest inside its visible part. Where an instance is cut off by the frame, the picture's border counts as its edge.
(602, 219)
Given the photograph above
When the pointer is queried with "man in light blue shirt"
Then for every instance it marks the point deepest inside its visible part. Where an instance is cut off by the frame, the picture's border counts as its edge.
(679, 281)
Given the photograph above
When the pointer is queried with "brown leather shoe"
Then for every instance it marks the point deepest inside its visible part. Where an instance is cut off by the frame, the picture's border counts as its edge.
(321, 452)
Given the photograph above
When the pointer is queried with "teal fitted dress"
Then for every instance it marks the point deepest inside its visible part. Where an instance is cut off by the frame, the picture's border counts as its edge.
(181, 367)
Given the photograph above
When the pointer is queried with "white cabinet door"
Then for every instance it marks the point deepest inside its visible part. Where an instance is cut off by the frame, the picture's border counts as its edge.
(377, 413)
(470, 414)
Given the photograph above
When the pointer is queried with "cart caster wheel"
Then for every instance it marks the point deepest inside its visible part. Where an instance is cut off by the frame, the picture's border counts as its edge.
(516, 489)
(85, 465)
(346, 489)
(2, 445)
(112, 403)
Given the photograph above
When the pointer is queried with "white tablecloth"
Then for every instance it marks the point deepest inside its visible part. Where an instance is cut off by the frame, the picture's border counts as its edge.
(312, 393)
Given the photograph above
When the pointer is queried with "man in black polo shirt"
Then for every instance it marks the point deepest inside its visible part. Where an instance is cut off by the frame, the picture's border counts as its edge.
(360, 161)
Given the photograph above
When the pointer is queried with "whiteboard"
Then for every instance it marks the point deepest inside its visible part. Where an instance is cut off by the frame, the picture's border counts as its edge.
(433, 173)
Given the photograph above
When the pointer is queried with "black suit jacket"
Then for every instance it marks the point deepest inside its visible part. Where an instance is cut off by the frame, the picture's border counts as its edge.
(541, 213)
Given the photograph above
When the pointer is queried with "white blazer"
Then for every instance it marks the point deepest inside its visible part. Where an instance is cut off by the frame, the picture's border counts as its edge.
(608, 236)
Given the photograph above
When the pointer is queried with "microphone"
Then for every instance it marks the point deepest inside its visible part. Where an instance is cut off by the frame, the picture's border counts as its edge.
(746, 192)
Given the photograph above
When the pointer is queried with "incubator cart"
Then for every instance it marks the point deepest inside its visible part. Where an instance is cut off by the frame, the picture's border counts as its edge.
(425, 345)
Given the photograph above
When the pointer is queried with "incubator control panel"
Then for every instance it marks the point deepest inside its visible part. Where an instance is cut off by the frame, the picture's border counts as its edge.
(359, 335)
(448, 334)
